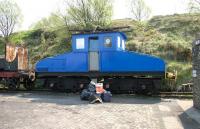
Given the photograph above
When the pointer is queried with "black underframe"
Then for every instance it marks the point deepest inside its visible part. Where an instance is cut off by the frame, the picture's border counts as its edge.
(98, 74)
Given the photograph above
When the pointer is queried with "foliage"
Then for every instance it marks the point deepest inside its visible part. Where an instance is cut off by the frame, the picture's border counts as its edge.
(194, 6)
(140, 10)
(42, 43)
(1, 46)
(10, 16)
(90, 13)
(185, 26)
(53, 22)
(149, 40)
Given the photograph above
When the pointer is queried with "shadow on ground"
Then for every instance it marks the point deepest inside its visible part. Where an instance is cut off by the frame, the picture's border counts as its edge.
(74, 99)
(189, 122)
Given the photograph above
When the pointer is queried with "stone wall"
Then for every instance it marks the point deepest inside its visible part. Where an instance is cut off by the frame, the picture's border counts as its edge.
(196, 73)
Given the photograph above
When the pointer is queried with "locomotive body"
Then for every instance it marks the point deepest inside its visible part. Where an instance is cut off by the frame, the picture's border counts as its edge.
(103, 56)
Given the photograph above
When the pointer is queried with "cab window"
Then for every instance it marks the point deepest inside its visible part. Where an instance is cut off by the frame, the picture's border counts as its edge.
(108, 42)
(123, 45)
(80, 43)
(118, 42)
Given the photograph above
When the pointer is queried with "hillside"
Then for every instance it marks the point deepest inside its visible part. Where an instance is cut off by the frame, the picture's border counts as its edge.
(168, 37)
(184, 26)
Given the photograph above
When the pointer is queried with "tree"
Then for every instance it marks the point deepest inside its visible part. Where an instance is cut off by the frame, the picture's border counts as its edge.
(10, 16)
(90, 13)
(54, 21)
(140, 10)
(43, 42)
(194, 6)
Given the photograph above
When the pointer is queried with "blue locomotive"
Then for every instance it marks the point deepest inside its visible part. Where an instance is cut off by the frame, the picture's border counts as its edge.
(102, 56)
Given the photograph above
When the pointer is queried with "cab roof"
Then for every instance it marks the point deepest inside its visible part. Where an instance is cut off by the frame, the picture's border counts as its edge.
(102, 33)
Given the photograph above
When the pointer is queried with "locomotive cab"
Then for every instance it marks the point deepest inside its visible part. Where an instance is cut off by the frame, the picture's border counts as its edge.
(114, 41)
(95, 44)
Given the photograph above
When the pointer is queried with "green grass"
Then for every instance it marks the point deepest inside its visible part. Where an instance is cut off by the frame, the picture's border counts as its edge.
(2, 46)
(182, 25)
(184, 71)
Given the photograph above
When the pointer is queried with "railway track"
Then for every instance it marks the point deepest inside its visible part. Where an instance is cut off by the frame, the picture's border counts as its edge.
(24, 90)
(188, 95)
(184, 95)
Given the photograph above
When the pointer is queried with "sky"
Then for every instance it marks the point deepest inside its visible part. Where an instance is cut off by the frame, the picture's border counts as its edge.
(34, 10)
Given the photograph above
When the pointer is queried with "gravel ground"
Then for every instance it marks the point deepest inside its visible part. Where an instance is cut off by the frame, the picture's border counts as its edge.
(66, 111)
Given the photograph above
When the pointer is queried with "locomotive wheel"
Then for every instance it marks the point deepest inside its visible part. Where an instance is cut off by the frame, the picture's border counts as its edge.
(58, 87)
(17, 84)
(12, 84)
(28, 84)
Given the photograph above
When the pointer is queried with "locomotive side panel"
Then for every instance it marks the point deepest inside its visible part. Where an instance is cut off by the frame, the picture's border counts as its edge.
(131, 62)
(68, 62)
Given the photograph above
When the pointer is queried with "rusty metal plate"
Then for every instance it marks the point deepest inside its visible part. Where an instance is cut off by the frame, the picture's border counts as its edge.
(18, 53)
(22, 58)
(11, 52)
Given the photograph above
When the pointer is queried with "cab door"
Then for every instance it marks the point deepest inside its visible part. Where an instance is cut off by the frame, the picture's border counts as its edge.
(93, 54)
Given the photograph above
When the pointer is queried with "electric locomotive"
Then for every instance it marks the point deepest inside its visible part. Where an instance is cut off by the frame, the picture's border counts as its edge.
(102, 55)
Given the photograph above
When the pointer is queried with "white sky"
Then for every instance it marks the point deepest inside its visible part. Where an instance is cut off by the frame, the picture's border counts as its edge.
(34, 10)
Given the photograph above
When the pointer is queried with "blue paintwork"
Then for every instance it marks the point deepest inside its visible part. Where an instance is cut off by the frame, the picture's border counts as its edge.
(113, 59)
(68, 62)
(124, 61)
